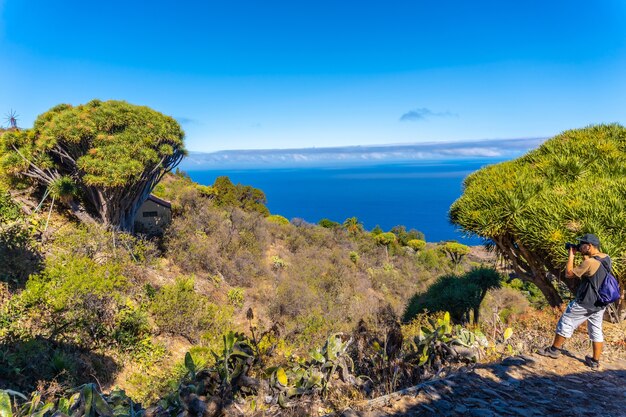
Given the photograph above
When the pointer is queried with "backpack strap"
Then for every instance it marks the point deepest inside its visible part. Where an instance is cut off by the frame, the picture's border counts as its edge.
(606, 270)
(597, 258)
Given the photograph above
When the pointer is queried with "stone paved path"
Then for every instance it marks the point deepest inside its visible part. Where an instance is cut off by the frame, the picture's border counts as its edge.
(519, 386)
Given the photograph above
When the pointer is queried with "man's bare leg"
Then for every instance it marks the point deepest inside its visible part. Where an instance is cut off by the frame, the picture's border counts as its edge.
(597, 350)
(559, 340)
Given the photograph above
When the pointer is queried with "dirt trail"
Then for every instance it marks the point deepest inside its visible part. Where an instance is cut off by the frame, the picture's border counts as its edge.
(518, 386)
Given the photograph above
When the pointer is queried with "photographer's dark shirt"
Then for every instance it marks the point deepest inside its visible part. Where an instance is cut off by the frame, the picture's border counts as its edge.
(591, 271)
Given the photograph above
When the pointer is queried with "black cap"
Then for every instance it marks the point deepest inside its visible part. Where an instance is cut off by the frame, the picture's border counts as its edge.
(589, 238)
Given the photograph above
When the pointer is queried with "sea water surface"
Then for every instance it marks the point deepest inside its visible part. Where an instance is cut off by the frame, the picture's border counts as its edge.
(415, 194)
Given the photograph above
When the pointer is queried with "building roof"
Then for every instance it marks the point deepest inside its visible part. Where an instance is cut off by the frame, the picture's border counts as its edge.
(159, 201)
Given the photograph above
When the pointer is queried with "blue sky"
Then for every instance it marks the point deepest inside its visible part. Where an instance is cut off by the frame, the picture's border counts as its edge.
(278, 74)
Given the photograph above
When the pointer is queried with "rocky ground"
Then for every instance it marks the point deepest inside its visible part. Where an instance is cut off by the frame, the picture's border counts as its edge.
(518, 386)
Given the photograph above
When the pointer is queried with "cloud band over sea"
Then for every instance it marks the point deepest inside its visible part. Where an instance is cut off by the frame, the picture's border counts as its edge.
(495, 148)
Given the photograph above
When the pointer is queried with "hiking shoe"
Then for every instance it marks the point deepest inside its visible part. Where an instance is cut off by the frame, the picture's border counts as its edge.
(592, 363)
(550, 352)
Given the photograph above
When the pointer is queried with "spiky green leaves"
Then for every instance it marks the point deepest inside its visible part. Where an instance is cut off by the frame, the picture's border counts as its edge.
(114, 142)
(573, 184)
(113, 152)
(110, 142)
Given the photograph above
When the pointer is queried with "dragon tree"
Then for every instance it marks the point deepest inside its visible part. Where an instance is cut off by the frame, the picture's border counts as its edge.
(111, 153)
(574, 183)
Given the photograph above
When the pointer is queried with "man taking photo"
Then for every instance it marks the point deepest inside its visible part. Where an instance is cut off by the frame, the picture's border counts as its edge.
(586, 306)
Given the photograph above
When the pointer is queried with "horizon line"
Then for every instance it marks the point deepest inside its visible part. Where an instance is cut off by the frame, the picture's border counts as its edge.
(379, 145)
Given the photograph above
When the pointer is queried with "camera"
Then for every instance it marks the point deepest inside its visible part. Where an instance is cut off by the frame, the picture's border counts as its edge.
(572, 245)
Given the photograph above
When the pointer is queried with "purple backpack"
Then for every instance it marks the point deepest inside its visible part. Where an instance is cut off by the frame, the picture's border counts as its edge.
(609, 291)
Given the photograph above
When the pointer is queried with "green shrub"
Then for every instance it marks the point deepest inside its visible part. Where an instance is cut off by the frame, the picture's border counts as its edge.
(457, 294)
(19, 254)
(242, 196)
(505, 303)
(131, 326)
(529, 290)
(235, 297)
(278, 219)
(100, 244)
(416, 244)
(76, 299)
(221, 319)
(455, 251)
(206, 190)
(151, 383)
(354, 257)
(404, 237)
(9, 210)
(377, 230)
(70, 279)
(225, 242)
(311, 329)
(62, 362)
(278, 263)
(385, 239)
(178, 309)
(432, 259)
(329, 224)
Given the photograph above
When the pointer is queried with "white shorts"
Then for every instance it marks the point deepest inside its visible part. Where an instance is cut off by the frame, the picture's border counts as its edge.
(575, 315)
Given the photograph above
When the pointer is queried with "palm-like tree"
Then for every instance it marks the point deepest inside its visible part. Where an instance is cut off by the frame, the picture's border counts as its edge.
(353, 225)
(575, 183)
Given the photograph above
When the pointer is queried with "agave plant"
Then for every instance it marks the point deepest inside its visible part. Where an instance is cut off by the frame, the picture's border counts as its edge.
(233, 360)
(6, 405)
(315, 374)
(443, 343)
(85, 401)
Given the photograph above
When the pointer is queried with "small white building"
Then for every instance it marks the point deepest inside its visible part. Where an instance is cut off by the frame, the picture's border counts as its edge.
(153, 215)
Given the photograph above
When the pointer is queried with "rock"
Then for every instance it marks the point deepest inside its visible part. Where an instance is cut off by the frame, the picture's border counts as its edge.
(512, 381)
(491, 392)
(574, 379)
(444, 405)
(527, 358)
(481, 412)
(501, 410)
(513, 361)
(576, 392)
(449, 383)
(524, 412)
(432, 393)
(542, 401)
(477, 401)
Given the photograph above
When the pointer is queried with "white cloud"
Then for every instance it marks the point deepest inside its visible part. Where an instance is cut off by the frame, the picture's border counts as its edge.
(500, 148)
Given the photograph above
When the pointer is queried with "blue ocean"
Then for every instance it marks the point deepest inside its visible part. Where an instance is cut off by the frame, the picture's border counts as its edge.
(417, 194)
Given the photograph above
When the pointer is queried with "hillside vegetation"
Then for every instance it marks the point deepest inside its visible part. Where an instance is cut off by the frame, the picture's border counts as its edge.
(82, 287)
(237, 310)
